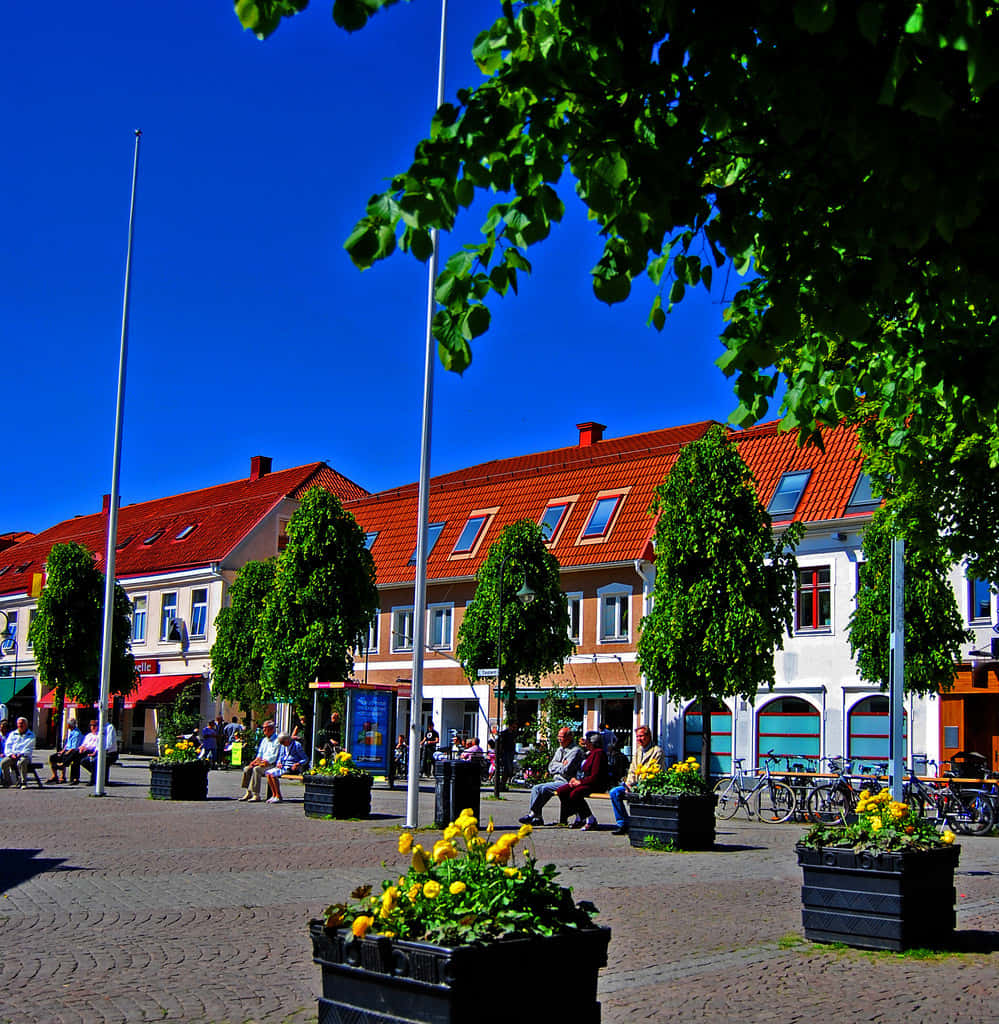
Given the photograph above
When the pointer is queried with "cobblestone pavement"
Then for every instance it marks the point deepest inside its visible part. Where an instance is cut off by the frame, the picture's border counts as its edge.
(129, 909)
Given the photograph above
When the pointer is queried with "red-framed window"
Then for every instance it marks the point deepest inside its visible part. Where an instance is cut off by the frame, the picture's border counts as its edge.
(813, 598)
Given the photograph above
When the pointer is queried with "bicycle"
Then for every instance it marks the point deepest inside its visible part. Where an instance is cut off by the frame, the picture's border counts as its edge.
(968, 811)
(773, 800)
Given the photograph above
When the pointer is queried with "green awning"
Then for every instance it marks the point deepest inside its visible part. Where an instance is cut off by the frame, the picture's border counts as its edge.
(8, 687)
(579, 693)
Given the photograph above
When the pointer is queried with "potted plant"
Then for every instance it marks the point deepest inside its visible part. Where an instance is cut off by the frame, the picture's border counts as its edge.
(465, 913)
(337, 788)
(885, 881)
(178, 774)
(674, 805)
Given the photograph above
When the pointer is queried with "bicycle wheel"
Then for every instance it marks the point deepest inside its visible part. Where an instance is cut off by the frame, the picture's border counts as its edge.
(727, 792)
(969, 813)
(775, 802)
(829, 804)
(914, 800)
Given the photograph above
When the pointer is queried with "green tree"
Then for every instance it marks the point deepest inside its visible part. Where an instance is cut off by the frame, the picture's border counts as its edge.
(534, 639)
(237, 658)
(724, 588)
(841, 155)
(934, 630)
(321, 603)
(65, 635)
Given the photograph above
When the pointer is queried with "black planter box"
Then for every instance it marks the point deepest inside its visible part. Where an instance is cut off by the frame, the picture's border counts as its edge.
(378, 980)
(187, 780)
(337, 796)
(877, 900)
(685, 819)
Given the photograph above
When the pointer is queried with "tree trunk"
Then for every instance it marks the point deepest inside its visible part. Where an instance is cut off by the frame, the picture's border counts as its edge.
(706, 704)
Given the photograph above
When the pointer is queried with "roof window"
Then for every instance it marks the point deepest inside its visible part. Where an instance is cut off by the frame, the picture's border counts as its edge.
(789, 491)
(551, 520)
(155, 535)
(863, 498)
(370, 538)
(124, 543)
(601, 516)
(22, 568)
(5, 569)
(433, 534)
(186, 532)
(469, 534)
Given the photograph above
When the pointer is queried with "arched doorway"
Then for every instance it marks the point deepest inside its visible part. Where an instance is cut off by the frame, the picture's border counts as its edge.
(721, 736)
(790, 727)
(868, 731)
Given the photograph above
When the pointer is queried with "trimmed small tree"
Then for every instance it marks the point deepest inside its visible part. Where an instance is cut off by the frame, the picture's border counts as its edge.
(533, 639)
(934, 630)
(237, 658)
(724, 588)
(66, 633)
(321, 603)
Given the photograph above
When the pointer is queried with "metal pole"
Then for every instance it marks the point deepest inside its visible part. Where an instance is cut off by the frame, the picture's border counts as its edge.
(420, 585)
(109, 580)
(499, 684)
(896, 684)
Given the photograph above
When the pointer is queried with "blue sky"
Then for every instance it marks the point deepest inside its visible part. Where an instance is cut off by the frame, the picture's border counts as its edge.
(251, 331)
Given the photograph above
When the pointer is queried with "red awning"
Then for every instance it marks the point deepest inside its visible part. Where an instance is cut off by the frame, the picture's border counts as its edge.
(154, 689)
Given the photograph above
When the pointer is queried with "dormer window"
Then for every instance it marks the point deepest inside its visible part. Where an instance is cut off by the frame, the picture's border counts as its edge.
(789, 491)
(155, 535)
(370, 538)
(601, 517)
(433, 534)
(863, 498)
(124, 543)
(186, 532)
(552, 519)
(469, 534)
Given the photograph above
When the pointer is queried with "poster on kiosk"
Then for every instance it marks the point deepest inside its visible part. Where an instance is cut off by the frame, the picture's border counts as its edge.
(369, 722)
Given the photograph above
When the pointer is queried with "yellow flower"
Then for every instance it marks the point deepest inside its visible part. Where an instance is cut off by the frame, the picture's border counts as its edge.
(465, 819)
(508, 839)
(432, 890)
(497, 854)
(490, 828)
(457, 888)
(361, 925)
(470, 833)
(876, 823)
(413, 892)
(511, 872)
(405, 842)
(524, 831)
(169, 750)
(389, 898)
(421, 859)
(451, 831)
(476, 842)
(947, 836)
(322, 762)
(444, 850)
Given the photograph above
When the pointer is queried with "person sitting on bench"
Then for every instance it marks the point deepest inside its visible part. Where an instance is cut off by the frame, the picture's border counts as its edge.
(69, 755)
(17, 751)
(291, 760)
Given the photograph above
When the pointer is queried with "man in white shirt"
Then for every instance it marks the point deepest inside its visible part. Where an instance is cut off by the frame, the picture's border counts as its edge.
(256, 771)
(88, 754)
(17, 751)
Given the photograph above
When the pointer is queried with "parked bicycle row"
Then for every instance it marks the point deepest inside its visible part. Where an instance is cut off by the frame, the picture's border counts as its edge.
(801, 791)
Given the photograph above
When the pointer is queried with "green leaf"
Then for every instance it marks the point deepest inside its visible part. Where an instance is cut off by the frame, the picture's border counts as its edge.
(362, 245)
(611, 287)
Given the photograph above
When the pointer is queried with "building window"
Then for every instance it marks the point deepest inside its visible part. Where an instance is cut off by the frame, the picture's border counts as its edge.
(124, 543)
(863, 498)
(168, 612)
(370, 538)
(551, 520)
(139, 606)
(575, 617)
(32, 615)
(979, 601)
(814, 598)
(186, 532)
(601, 517)
(8, 640)
(369, 642)
(790, 488)
(469, 535)
(439, 625)
(402, 629)
(199, 612)
(433, 532)
(153, 536)
(615, 620)
(282, 538)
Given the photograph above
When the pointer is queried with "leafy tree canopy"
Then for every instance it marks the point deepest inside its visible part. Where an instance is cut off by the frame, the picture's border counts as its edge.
(724, 589)
(934, 630)
(237, 659)
(321, 603)
(535, 637)
(843, 155)
(66, 633)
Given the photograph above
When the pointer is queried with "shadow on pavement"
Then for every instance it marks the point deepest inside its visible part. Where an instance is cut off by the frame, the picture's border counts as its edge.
(974, 942)
(17, 866)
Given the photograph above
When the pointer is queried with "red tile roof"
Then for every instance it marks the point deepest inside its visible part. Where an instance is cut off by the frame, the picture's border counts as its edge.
(522, 486)
(15, 537)
(222, 516)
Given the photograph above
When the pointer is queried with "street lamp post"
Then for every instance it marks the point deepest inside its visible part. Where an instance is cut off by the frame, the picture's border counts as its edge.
(525, 596)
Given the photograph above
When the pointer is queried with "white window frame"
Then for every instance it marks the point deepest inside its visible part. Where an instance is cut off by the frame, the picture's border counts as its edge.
(369, 645)
(397, 643)
(441, 611)
(32, 615)
(576, 597)
(144, 617)
(197, 604)
(164, 619)
(8, 639)
(618, 593)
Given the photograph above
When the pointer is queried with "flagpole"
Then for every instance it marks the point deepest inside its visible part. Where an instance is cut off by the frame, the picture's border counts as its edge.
(109, 574)
(423, 501)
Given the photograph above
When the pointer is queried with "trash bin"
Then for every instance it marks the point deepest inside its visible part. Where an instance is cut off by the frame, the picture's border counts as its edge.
(456, 787)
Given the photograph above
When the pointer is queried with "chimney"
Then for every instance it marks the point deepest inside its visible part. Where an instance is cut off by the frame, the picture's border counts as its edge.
(260, 465)
(590, 433)
(105, 504)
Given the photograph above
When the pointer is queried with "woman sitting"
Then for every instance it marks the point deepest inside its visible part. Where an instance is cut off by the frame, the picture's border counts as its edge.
(591, 778)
